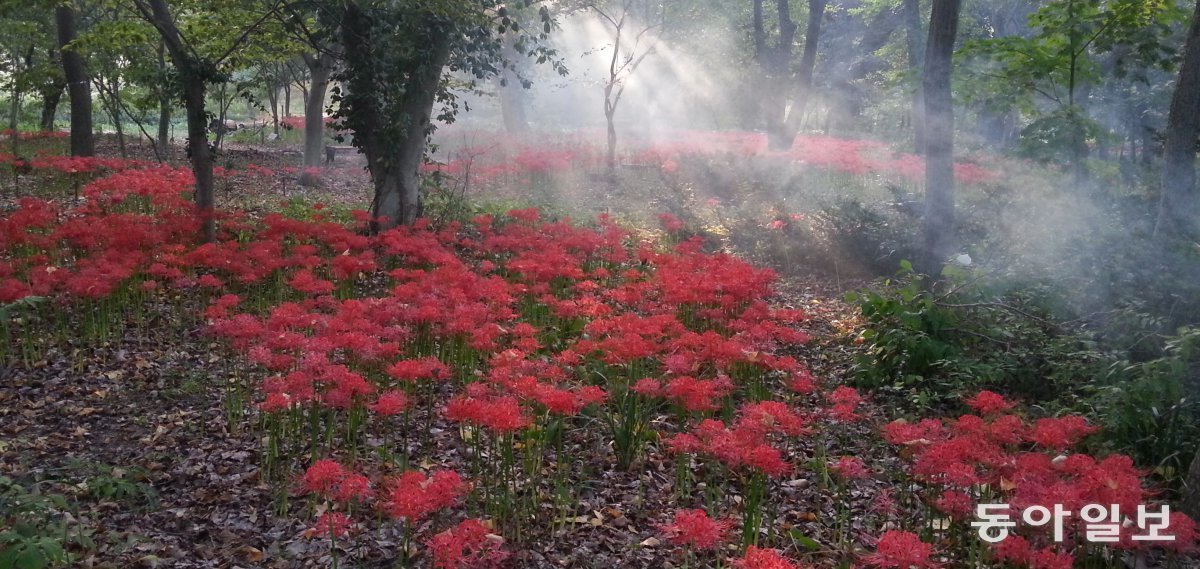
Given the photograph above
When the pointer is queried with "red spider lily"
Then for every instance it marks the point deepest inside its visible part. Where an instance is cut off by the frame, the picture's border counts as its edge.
(469, 545)
(696, 395)
(332, 523)
(413, 496)
(759, 558)
(670, 223)
(331, 480)
(695, 529)
(414, 370)
(1062, 432)
(850, 468)
(390, 403)
(501, 415)
(989, 403)
(737, 448)
(771, 417)
(901, 549)
(958, 505)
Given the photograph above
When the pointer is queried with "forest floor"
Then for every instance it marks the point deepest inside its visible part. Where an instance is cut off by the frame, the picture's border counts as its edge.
(135, 436)
(151, 450)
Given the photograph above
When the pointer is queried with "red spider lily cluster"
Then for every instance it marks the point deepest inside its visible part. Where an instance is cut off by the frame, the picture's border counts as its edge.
(1001, 458)
(513, 160)
(694, 529)
(34, 134)
(469, 545)
(509, 329)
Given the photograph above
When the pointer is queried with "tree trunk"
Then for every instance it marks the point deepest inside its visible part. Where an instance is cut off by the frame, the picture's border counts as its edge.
(314, 108)
(804, 83)
(50, 99)
(78, 87)
(164, 107)
(287, 103)
(939, 132)
(512, 94)
(1178, 201)
(916, 61)
(110, 99)
(273, 98)
(609, 118)
(395, 168)
(193, 84)
(1190, 503)
(14, 118)
(777, 70)
(201, 154)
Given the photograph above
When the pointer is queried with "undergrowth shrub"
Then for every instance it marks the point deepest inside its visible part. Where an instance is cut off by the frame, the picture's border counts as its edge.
(35, 528)
(929, 345)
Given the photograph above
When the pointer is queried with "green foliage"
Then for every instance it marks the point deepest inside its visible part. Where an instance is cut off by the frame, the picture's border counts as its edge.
(107, 483)
(1151, 410)
(33, 528)
(931, 345)
(379, 93)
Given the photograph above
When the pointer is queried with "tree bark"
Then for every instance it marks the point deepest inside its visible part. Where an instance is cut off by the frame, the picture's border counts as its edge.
(1190, 504)
(804, 77)
(194, 85)
(1178, 201)
(776, 67)
(164, 106)
(398, 185)
(319, 68)
(394, 165)
(512, 94)
(939, 131)
(78, 87)
(50, 99)
(916, 60)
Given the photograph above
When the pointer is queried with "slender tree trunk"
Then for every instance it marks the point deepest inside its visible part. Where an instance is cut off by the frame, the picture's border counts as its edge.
(193, 84)
(287, 104)
(314, 115)
(939, 132)
(314, 108)
(14, 117)
(916, 61)
(1178, 200)
(78, 87)
(201, 154)
(273, 98)
(50, 99)
(164, 106)
(804, 78)
(110, 98)
(1190, 503)
(512, 95)
(777, 69)
(609, 117)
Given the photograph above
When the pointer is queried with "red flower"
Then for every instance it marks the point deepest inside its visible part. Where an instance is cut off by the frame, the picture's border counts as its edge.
(414, 496)
(989, 403)
(467, 546)
(757, 558)
(1061, 433)
(390, 403)
(670, 223)
(850, 468)
(322, 476)
(332, 523)
(955, 504)
(695, 529)
(901, 549)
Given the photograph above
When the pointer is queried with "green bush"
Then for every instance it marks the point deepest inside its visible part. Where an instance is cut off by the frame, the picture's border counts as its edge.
(934, 344)
(34, 528)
